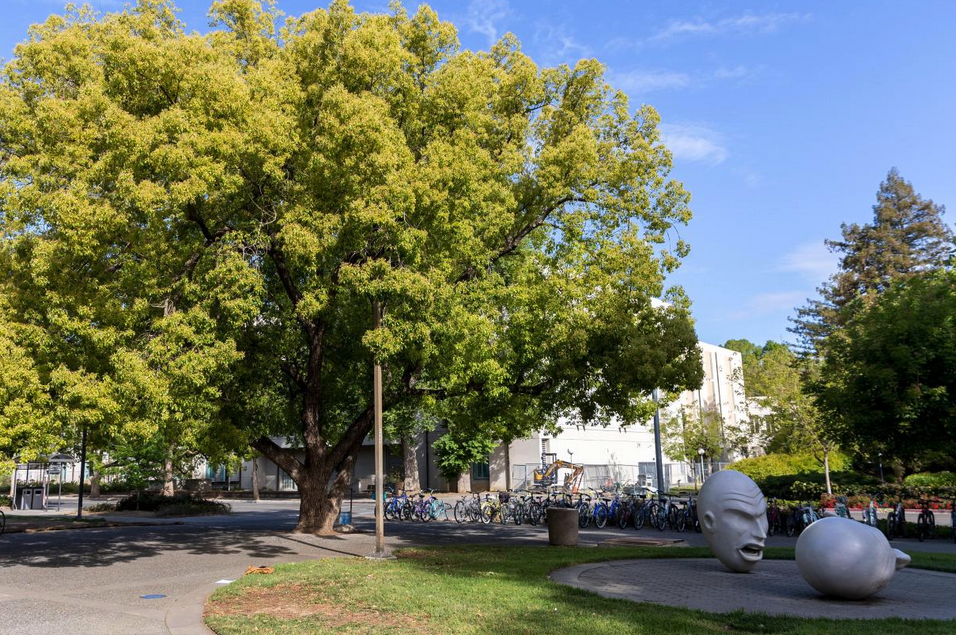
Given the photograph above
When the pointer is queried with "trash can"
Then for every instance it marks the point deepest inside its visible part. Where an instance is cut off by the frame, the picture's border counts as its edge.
(563, 527)
(345, 518)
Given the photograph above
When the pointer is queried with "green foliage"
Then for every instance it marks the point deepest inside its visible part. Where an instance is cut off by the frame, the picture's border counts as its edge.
(931, 480)
(690, 430)
(778, 405)
(195, 227)
(101, 508)
(182, 504)
(6, 501)
(889, 380)
(760, 467)
(454, 455)
(812, 485)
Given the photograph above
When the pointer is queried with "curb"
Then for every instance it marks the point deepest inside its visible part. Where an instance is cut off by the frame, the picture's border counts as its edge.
(103, 525)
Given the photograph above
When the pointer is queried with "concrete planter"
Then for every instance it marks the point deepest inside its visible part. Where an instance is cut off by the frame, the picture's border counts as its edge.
(563, 527)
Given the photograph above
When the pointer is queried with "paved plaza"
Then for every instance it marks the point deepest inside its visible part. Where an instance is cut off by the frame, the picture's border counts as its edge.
(774, 587)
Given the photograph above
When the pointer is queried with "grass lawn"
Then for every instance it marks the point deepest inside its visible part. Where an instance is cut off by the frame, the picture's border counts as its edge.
(494, 590)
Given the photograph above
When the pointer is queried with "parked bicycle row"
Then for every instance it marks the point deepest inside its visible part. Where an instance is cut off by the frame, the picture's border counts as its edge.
(635, 508)
(795, 518)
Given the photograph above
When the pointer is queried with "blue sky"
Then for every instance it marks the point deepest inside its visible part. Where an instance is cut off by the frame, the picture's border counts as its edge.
(784, 117)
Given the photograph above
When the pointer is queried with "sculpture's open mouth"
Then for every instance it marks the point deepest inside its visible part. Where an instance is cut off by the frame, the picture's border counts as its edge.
(752, 551)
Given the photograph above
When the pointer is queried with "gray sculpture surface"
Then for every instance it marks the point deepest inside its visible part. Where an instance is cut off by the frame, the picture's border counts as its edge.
(846, 559)
(733, 518)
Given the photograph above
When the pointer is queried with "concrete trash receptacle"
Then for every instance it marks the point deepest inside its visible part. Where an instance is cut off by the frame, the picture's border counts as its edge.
(563, 527)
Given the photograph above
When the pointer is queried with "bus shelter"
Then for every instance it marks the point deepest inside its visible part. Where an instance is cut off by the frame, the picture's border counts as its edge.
(32, 479)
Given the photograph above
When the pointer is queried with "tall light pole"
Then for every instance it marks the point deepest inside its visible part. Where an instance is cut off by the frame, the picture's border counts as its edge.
(79, 503)
(379, 445)
(880, 457)
(700, 453)
(657, 441)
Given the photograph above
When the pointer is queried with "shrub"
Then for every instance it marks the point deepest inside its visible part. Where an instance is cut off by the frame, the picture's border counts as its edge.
(195, 507)
(931, 479)
(101, 507)
(762, 467)
(182, 504)
(5, 501)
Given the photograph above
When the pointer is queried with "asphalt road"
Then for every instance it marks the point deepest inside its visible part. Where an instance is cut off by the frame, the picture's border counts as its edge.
(92, 580)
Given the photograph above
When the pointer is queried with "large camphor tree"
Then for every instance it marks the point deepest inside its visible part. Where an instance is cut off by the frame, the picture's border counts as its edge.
(196, 227)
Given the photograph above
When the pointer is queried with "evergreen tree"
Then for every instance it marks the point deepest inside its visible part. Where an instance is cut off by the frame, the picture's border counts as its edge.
(907, 236)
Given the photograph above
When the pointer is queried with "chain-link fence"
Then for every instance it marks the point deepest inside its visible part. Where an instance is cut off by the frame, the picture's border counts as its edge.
(611, 476)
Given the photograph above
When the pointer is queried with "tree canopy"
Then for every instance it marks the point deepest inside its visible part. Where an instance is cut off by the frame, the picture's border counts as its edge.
(907, 236)
(195, 227)
(890, 382)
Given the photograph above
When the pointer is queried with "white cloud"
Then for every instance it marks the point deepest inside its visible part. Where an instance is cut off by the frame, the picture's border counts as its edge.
(647, 81)
(694, 143)
(813, 260)
(557, 46)
(484, 17)
(746, 23)
(738, 72)
(769, 303)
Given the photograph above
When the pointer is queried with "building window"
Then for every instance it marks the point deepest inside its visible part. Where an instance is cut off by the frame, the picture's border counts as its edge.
(285, 481)
(480, 471)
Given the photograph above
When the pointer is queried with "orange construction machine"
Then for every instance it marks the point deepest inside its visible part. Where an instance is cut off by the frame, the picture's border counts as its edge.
(547, 476)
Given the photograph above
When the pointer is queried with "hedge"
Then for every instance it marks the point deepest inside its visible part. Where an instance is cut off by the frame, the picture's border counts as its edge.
(762, 467)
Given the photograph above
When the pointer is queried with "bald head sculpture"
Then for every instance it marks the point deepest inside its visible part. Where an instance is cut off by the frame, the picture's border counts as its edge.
(733, 517)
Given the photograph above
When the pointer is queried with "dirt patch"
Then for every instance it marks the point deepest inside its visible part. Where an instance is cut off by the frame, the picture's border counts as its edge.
(297, 601)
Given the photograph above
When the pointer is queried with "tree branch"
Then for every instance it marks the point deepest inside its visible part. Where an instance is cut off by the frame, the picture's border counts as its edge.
(355, 434)
(283, 457)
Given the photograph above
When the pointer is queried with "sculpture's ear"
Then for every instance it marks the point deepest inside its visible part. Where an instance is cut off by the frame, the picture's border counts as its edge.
(708, 521)
(901, 559)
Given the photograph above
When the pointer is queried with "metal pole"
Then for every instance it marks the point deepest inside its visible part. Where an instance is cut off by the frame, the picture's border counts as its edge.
(379, 443)
(79, 505)
(880, 455)
(657, 441)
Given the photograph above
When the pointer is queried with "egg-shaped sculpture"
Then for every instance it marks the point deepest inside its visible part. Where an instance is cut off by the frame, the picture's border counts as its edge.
(846, 559)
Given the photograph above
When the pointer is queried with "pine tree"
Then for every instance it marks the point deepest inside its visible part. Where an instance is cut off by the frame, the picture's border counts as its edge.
(906, 237)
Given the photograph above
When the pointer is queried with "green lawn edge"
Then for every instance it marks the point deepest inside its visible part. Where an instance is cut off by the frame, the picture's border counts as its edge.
(505, 590)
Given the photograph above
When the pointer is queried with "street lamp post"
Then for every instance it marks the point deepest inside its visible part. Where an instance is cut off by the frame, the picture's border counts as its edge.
(880, 457)
(658, 454)
(700, 453)
(379, 446)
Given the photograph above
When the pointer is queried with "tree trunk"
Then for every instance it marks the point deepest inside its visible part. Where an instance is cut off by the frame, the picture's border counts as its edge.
(826, 468)
(169, 488)
(320, 500)
(255, 478)
(410, 452)
(95, 478)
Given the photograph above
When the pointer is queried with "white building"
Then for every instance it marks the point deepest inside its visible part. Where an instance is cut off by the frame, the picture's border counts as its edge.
(611, 454)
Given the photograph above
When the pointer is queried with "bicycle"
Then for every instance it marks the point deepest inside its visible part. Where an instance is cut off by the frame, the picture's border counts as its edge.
(774, 518)
(842, 510)
(646, 512)
(467, 509)
(952, 521)
(896, 522)
(925, 522)
(869, 514)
